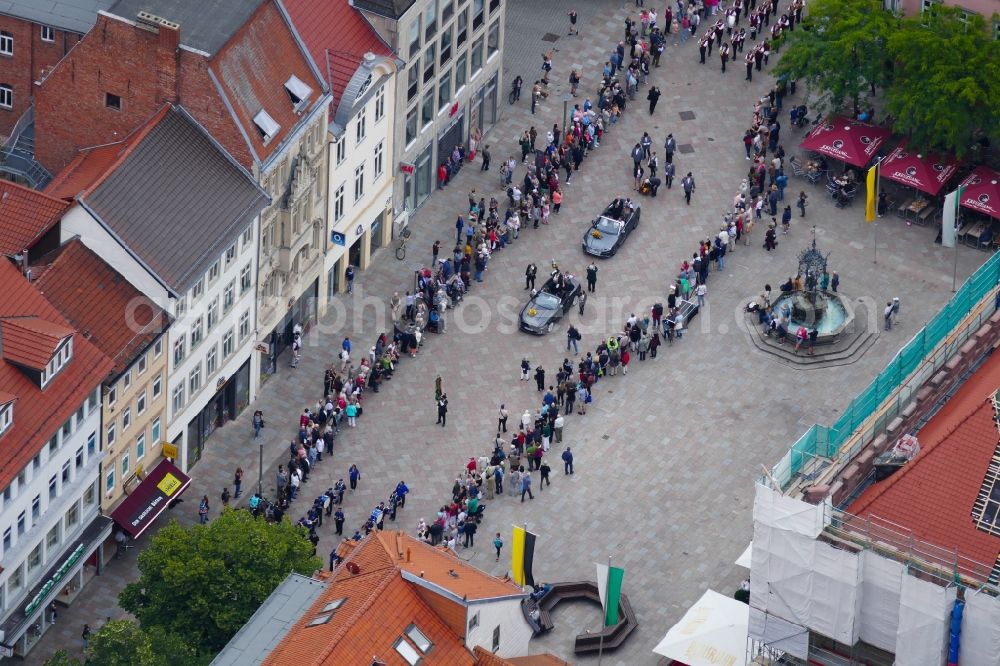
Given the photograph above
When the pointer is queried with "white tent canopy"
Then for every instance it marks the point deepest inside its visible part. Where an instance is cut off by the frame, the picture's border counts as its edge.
(744, 559)
(712, 632)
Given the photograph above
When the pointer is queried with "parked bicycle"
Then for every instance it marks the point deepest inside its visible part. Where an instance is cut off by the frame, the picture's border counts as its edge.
(401, 247)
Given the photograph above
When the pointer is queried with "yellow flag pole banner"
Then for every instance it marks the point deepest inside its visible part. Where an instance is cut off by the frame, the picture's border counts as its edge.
(872, 199)
(522, 554)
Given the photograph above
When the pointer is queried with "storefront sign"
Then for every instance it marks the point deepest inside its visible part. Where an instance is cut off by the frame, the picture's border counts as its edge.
(338, 238)
(170, 451)
(56, 577)
(262, 347)
(407, 168)
(453, 111)
(150, 498)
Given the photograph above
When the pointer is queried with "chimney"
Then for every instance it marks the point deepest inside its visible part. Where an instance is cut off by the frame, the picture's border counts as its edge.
(407, 554)
(167, 57)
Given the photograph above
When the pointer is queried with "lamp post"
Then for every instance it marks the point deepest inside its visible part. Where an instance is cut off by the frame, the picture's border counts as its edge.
(260, 472)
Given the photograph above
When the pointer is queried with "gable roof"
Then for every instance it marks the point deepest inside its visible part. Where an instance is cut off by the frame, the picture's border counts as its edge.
(206, 25)
(76, 16)
(933, 494)
(107, 310)
(393, 9)
(25, 215)
(337, 36)
(31, 341)
(39, 413)
(173, 196)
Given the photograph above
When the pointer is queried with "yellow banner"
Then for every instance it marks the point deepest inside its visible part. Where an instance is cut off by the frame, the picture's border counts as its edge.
(169, 451)
(872, 194)
(517, 556)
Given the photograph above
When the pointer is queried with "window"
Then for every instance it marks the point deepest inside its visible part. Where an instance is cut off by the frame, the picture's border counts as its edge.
(15, 581)
(430, 20)
(477, 14)
(380, 104)
(126, 418)
(88, 495)
(247, 237)
(6, 540)
(140, 446)
(65, 472)
(298, 92)
(52, 538)
(461, 67)
(58, 361)
(48, 34)
(181, 305)
(362, 128)
(359, 182)
(213, 272)
(212, 361)
(229, 296)
(493, 41)
(338, 204)
(178, 397)
(140, 403)
(411, 125)
(341, 151)
(6, 43)
(245, 282)
(444, 90)
(7, 414)
(158, 348)
(35, 558)
(474, 622)
(21, 527)
(406, 651)
(126, 380)
(113, 101)
(427, 110)
(419, 639)
(414, 38)
(266, 125)
(477, 56)
(197, 332)
(429, 63)
(413, 80)
(92, 444)
(111, 434)
(53, 487)
(79, 457)
(109, 482)
(179, 351)
(157, 385)
(447, 10)
(154, 431)
(231, 255)
(213, 314)
(462, 28)
(197, 290)
(125, 464)
(6, 96)
(140, 367)
(445, 51)
(36, 509)
(378, 161)
(227, 344)
(194, 379)
(244, 325)
(494, 5)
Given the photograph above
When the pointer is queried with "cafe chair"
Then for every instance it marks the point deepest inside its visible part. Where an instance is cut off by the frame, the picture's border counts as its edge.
(985, 240)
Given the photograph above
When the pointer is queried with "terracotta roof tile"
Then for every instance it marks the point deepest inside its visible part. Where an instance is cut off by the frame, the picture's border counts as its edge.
(31, 341)
(933, 495)
(543, 659)
(39, 413)
(100, 303)
(25, 215)
(6, 398)
(84, 170)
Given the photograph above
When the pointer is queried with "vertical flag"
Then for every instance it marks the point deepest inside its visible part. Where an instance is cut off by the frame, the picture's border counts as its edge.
(949, 217)
(522, 554)
(609, 584)
(871, 201)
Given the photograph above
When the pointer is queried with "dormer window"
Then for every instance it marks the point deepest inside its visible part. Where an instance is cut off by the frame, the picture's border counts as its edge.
(64, 352)
(298, 92)
(6, 417)
(266, 126)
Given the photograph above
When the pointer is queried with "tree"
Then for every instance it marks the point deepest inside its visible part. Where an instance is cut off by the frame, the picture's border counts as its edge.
(124, 643)
(840, 49)
(62, 658)
(203, 582)
(947, 85)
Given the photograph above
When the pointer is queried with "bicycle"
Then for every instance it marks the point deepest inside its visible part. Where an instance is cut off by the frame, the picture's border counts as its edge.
(401, 248)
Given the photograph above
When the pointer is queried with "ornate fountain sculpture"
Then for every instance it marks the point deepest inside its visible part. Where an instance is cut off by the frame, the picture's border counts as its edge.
(809, 306)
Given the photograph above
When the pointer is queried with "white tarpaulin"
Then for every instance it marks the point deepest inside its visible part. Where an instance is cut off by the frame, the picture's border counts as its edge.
(776, 510)
(712, 633)
(745, 559)
(980, 641)
(880, 589)
(924, 611)
(779, 634)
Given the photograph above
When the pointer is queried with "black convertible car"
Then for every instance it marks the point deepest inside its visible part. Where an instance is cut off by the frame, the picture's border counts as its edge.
(608, 232)
(548, 305)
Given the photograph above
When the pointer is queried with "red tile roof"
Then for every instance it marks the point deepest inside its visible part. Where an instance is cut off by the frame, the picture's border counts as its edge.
(101, 304)
(25, 215)
(6, 398)
(252, 69)
(933, 494)
(338, 36)
(39, 413)
(30, 341)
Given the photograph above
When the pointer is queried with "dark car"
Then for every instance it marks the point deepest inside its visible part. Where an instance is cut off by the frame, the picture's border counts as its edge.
(548, 305)
(607, 233)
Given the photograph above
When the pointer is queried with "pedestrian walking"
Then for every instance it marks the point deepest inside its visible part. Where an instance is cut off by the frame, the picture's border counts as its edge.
(203, 510)
(442, 409)
(338, 520)
(572, 338)
(498, 544)
(526, 485)
(238, 482)
(653, 96)
(354, 475)
(688, 184)
(544, 471)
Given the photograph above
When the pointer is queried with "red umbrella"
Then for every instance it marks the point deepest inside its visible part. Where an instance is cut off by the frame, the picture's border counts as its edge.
(926, 173)
(982, 192)
(846, 140)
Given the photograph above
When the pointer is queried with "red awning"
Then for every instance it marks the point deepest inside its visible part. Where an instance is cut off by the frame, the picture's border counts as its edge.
(982, 192)
(150, 498)
(846, 140)
(926, 173)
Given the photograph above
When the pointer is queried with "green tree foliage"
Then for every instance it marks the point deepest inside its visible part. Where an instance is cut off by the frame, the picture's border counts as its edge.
(203, 582)
(61, 658)
(946, 92)
(840, 49)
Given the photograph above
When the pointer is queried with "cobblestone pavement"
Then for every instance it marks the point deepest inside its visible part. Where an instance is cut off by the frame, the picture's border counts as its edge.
(667, 456)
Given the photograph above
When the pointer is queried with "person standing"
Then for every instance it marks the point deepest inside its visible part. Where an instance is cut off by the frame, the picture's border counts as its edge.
(567, 457)
(354, 475)
(724, 55)
(592, 277)
(203, 510)
(748, 61)
(835, 281)
(653, 96)
(572, 31)
(572, 338)
(349, 274)
(529, 276)
(498, 544)
(582, 302)
(668, 174)
(502, 417)
(486, 158)
(435, 249)
(459, 228)
(442, 406)
(258, 423)
(887, 315)
(540, 378)
(688, 184)
(225, 497)
(669, 147)
(86, 633)
(238, 482)
(526, 485)
(338, 521)
(544, 469)
(802, 202)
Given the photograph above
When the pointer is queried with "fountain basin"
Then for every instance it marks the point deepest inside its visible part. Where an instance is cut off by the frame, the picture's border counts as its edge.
(826, 311)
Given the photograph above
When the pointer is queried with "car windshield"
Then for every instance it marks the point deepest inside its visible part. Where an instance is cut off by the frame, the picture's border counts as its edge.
(546, 301)
(608, 226)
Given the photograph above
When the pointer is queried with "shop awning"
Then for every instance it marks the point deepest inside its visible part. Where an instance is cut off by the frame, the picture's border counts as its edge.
(927, 173)
(982, 192)
(712, 632)
(150, 498)
(846, 140)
